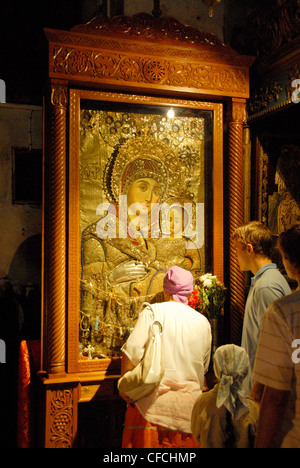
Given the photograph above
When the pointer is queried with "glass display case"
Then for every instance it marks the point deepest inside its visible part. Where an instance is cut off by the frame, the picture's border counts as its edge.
(141, 201)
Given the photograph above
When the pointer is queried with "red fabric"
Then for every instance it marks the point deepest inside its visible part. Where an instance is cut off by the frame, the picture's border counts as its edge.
(29, 359)
(139, 433)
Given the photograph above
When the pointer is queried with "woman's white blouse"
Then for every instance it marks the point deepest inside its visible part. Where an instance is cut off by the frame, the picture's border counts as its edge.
(186, 341)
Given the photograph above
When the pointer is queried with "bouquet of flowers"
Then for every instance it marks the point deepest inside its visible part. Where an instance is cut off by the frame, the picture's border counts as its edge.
(208, 296)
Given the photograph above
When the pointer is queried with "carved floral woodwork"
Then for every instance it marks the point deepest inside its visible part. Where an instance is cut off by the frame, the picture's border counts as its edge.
(106, 52)
(276, 35)
(60, 415)
(273, 26)
(61, 419)
(155, 28)
(170, 73)
(265, 96)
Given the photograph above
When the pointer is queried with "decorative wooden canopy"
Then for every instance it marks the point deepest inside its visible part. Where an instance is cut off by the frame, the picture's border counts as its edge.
(147, 54)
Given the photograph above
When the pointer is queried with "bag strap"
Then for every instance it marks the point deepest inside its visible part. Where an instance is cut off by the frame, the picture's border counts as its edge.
(155, 321)
(150, 306)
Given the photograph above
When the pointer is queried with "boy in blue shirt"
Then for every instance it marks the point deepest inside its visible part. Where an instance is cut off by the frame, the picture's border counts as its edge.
(253, 245)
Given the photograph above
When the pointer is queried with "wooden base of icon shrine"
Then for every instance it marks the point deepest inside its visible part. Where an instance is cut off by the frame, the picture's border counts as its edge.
(84, 413)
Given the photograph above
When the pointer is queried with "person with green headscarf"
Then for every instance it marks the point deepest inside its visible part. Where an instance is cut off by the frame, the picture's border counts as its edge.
(225, 417)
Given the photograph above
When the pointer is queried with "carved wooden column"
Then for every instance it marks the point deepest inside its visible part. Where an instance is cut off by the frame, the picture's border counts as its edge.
(236, 117)
(55, 232)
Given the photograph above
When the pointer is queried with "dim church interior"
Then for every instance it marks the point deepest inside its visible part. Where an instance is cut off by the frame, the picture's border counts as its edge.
(23, 68)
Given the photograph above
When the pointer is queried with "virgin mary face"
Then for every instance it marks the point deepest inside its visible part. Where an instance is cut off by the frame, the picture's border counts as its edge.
(145, 191)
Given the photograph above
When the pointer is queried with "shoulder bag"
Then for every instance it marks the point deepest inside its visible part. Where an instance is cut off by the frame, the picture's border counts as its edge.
(146, 375)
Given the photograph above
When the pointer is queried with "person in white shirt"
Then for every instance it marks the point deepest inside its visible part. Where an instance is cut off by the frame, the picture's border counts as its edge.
(163, 418)
(277, 364)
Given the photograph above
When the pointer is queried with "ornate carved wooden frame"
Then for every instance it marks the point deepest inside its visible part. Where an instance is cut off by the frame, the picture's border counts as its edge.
(154, 60)
(112, 365)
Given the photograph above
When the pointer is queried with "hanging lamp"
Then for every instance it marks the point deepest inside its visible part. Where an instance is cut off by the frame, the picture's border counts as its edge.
(211, 4)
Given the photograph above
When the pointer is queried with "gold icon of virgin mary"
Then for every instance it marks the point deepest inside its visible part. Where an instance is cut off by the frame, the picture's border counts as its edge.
(123, 255)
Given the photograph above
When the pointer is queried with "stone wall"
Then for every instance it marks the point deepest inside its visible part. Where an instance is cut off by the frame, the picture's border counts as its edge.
(20, 127)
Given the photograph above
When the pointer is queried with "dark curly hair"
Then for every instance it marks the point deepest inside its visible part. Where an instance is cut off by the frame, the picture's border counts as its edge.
(289, 245)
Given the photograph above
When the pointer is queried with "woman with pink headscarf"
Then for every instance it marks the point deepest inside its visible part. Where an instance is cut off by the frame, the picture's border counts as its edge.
(163, 418)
